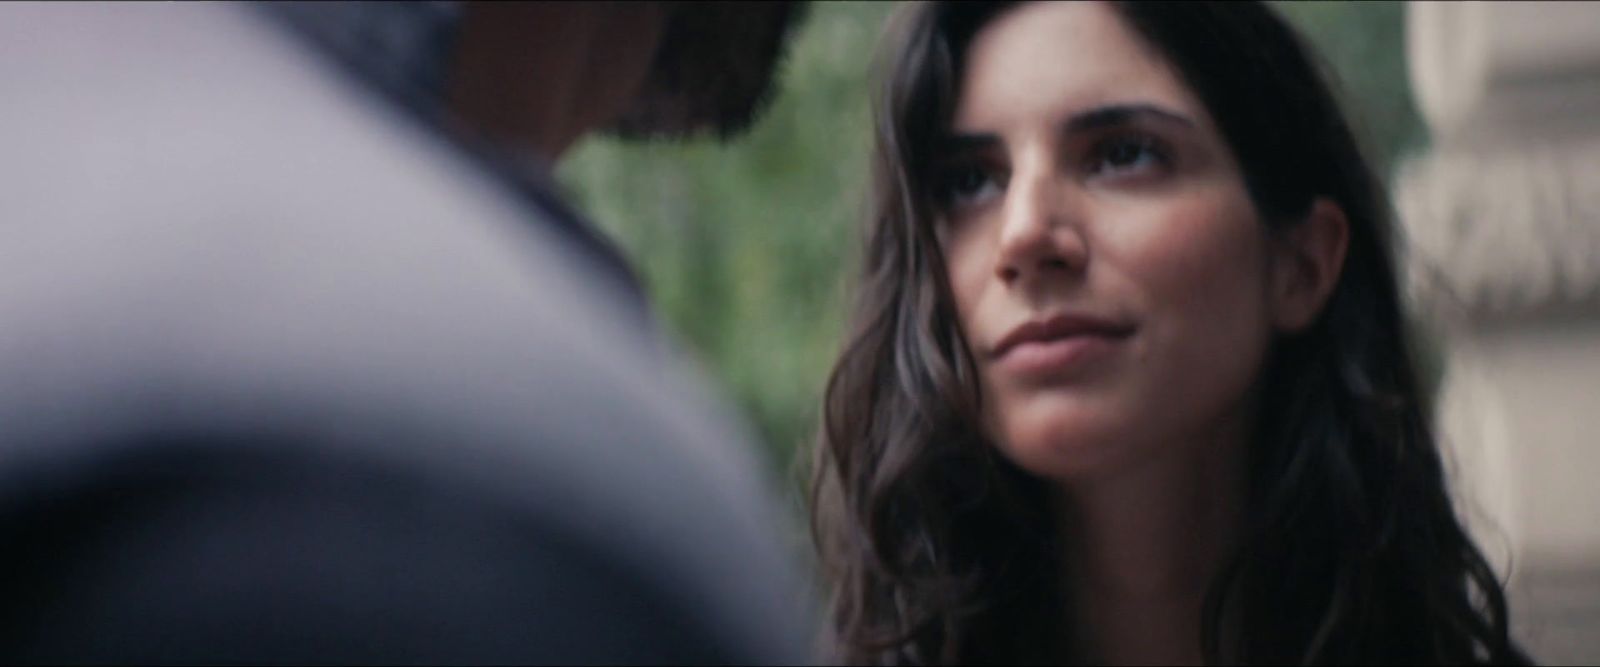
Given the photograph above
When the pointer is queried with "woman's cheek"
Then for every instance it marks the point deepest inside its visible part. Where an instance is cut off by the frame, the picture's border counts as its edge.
(1199, 263)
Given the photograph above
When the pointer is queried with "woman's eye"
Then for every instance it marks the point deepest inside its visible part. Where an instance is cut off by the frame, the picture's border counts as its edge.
(1128, 155)
(966, 186)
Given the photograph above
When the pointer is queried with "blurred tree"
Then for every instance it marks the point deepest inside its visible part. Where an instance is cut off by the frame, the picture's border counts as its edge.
(746, 247)
(1363, 46)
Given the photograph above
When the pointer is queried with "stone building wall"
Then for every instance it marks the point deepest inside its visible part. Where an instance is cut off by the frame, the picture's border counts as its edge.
(1502, 218)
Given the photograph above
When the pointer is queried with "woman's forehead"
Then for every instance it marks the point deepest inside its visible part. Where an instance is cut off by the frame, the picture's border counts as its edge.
(1048, 61)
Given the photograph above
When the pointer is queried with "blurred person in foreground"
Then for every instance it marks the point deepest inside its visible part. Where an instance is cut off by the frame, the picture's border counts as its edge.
(1129, 381)
(303, 359)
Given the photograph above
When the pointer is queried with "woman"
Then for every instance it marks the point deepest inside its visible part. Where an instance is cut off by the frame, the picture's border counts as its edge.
(1128, 380)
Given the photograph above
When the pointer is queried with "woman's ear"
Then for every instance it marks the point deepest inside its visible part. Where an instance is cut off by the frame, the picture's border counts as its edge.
(1307, 260)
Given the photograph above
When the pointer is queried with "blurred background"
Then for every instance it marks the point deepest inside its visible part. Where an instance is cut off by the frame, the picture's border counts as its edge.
(747, 247)
(1484, 119)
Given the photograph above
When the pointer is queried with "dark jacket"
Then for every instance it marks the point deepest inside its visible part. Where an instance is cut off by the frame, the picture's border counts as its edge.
(288, 376)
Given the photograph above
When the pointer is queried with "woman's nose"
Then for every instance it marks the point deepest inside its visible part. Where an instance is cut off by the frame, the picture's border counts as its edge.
(1040, 233)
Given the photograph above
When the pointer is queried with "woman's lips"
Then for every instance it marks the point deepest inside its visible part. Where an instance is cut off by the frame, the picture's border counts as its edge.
(1058, 345)
(1054, 357)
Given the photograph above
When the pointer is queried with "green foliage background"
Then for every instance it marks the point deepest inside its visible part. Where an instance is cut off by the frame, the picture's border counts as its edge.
(746, 248)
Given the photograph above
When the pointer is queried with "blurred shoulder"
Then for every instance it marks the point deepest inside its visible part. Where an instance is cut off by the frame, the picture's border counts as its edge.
(208, 237)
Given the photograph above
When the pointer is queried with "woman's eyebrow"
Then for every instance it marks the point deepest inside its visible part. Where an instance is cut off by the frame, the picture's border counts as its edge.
(1121, 114)
(959, 143)
(1111, 115)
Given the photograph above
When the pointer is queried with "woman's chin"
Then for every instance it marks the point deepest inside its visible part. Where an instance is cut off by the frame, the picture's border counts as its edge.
(1066, 442)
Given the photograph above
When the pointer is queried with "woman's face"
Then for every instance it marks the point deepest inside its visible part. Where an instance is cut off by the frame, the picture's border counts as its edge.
(1107, 266)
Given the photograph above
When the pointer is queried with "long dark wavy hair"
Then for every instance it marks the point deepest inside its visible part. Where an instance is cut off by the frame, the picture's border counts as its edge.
(939, 550)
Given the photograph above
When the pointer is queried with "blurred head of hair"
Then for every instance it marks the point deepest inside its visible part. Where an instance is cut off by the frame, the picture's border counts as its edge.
(713, 71)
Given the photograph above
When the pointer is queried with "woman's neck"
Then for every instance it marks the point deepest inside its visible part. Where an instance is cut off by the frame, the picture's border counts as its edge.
(1143, 546)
